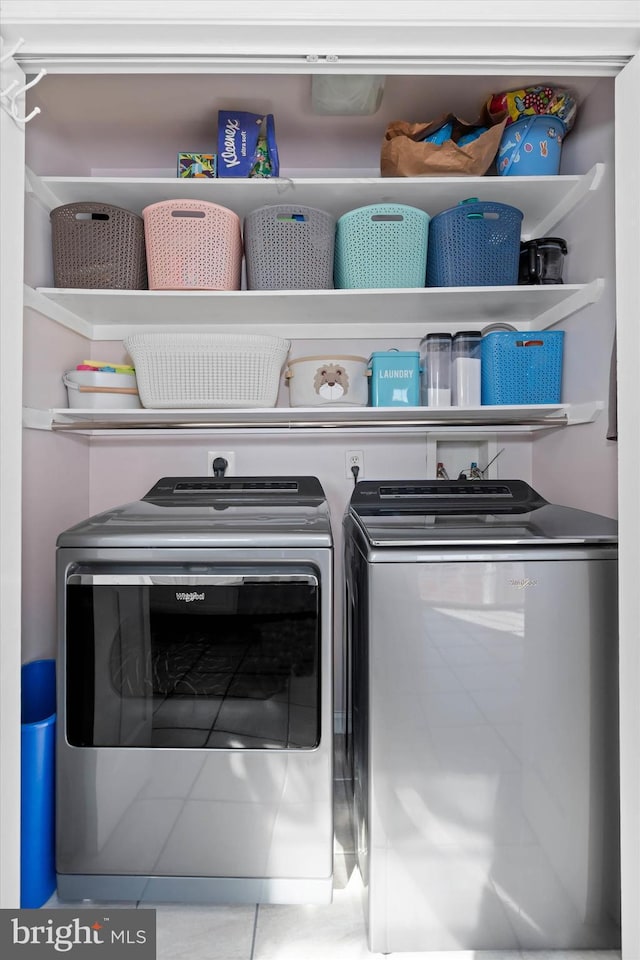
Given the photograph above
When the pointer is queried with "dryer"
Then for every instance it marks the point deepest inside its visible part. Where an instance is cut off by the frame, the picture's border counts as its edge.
(482, 629)
(195, 746)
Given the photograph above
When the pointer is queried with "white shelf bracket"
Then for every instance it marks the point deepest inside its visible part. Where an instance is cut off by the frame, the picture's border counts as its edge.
(42, 192)
(34, 419)
(585, 186)
(54, 311)
(584, 412)
(589, 293)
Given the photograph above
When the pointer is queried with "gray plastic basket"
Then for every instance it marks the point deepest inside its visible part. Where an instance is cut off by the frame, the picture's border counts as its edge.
(98, 246)
(289, 247)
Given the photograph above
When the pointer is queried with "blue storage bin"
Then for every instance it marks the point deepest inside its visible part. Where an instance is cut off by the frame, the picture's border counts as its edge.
(395, 378)
(37, 783)
(381, 245)
(521, 367)
(476, 244)
(531, 147)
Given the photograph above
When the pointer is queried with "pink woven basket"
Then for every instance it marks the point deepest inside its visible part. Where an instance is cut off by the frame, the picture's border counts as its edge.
(192, 245)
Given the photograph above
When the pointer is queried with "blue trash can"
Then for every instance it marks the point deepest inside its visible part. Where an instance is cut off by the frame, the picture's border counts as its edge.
(37, 786)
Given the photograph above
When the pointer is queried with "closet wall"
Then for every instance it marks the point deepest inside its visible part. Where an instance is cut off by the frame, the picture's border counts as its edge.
(579, 467)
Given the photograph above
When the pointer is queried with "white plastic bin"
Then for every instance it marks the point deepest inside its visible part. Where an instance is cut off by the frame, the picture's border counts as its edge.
(101, 391)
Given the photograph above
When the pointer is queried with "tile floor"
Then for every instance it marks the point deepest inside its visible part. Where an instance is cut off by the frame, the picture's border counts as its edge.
(281, 932)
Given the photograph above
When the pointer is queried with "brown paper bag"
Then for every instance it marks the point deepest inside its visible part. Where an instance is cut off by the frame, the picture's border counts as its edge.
(403, 155)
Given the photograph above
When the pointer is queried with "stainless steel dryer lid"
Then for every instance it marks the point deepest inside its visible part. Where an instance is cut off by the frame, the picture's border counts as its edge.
(396, 513)
(209, 512)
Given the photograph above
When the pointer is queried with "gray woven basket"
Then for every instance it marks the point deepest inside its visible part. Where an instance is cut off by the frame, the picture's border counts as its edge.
(289, 247)
(97, 245)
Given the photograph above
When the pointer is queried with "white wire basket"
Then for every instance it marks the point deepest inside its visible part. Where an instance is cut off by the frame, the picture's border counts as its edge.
(207, 370)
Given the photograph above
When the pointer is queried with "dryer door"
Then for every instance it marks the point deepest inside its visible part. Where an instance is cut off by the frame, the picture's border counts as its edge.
(228, 658)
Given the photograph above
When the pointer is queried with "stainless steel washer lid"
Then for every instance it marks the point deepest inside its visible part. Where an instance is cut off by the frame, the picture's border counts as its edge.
(206, 512)
(439, 512)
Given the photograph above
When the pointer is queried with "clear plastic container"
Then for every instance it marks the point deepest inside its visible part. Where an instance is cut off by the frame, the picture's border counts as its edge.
(435, 351)
(465, 369)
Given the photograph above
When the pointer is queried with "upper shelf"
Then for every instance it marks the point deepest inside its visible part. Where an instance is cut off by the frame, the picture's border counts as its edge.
(544, 201)
(321, 314)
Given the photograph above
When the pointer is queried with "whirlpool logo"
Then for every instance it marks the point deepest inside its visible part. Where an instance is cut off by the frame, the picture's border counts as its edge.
(189, 597)
(523, 583)
(39, 933)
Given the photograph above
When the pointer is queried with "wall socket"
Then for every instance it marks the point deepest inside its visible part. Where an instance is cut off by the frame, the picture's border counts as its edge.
(354, 458)
(229, 456)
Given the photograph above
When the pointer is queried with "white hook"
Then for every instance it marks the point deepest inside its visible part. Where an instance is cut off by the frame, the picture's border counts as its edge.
(31, 83)
(7, 91)
(18, 93)
(14, 113)
(15, 48)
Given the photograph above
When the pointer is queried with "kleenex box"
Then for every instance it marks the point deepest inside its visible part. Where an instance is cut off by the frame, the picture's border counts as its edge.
(395, 378)
(247, 145)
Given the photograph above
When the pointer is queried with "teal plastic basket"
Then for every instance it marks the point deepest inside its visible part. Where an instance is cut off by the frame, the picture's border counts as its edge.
(521, 367)
(381, 245)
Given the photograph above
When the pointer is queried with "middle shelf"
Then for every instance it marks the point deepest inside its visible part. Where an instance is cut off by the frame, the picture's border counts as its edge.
(310, 314)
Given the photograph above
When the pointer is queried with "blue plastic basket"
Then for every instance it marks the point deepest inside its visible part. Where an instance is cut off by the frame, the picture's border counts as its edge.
(476, 244)
(521, 367)
(381, 245)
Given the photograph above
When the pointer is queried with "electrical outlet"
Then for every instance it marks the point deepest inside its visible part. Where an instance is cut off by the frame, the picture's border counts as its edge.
(229, 456)
(354, 458)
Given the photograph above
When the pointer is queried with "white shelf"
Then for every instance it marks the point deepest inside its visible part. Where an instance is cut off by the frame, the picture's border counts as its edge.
(347, 419)
(310, 314)
(544, 201)
(319, 314)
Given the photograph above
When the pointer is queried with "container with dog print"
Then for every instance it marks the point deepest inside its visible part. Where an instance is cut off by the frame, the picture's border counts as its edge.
(331, 380)
(395, 378)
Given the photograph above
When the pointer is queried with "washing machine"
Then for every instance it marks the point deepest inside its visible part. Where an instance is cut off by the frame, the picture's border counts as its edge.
(482, 639)
(194, 753)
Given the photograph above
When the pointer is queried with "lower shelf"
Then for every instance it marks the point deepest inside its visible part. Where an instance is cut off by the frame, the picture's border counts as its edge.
(512, 418)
